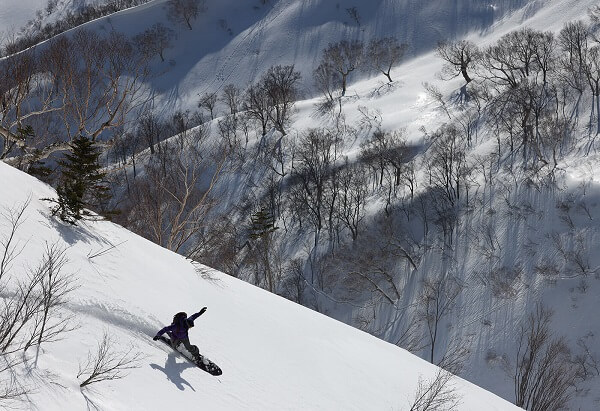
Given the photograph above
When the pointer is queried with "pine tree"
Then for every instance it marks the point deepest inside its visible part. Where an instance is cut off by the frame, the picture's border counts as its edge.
(81, 182)
(263, 223)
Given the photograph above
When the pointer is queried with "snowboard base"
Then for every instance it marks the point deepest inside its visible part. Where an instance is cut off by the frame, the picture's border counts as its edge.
(203, 363)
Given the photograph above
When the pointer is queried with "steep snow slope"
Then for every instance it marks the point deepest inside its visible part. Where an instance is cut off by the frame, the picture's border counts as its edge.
(14, 14)
(208, 57)
(274, 354)
(234, 42)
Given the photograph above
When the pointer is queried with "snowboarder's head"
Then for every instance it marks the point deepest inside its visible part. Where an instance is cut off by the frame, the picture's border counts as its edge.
(179, 318)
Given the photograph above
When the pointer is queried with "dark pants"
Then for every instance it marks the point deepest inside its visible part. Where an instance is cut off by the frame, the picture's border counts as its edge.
(188, 346)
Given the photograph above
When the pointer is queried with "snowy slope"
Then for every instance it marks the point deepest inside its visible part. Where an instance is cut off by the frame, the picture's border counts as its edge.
(14, 14)
(275, 354)
(209, 57)
(235, 42)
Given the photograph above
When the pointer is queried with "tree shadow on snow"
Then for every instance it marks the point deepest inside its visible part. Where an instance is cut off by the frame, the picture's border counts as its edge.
(90, 404)
(173, 370)
(72, 234)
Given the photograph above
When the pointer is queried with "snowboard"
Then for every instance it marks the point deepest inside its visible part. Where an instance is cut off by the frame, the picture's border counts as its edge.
(203, 363)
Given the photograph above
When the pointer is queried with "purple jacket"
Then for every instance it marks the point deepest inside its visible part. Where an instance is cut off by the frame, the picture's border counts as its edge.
(180, 331)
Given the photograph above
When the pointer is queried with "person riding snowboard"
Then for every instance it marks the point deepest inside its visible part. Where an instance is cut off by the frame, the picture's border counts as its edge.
(178, 331)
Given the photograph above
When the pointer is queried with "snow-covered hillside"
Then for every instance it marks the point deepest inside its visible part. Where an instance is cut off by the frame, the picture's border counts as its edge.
(235, 42)
(275, 354)
(517, 243)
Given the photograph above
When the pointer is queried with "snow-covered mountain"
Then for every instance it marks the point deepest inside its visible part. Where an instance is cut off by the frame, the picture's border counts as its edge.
(519, 241)
(274, 354)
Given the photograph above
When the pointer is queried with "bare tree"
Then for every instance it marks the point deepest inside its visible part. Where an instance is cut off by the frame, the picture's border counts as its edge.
(182, 126)
(185, 11)
(208, 101)
(106, 364)
(327, 81)
(460, 57)
(155, 40)
(437, 394)
(32, 315)
(353, 191)
(344, 58)
(170, 203)
(574, 43)
(281, 85)
(316, 154)
(592, 71)
(545, 375)
(228, 130)
(447, 165)
(377, 275)
(27, 92)
(54, 287)
(11, 246)
(436, 303)
(385, 53)
(99, 79)
(232, 97)
(258, 106)
(11, 391)
(262, 248)
(150, 130)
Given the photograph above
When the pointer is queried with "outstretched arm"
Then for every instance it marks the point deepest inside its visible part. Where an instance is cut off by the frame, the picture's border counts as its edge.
(198, 314)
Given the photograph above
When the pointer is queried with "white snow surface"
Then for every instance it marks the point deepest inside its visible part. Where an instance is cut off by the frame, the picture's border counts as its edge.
(275, 355)
(15, 14)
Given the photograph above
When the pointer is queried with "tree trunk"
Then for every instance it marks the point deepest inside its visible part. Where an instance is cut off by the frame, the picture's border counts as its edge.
(388, 76)
(465, 75)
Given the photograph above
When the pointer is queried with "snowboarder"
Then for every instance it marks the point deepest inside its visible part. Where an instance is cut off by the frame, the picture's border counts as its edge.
(178, 331)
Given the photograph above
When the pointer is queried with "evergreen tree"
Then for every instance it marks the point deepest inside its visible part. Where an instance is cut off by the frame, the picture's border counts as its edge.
(81, 182)
(263, 223)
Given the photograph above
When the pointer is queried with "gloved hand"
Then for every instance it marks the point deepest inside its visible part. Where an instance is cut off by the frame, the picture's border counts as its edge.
(156, 337)
(202, 310)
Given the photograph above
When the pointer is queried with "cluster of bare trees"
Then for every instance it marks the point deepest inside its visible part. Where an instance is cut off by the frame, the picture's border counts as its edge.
(169, 202)
(268, 103)
(37, 31)
(532, 84)
(340, 60)
(31, 312)
(327, 190)
(545, 374)
(82, 85)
